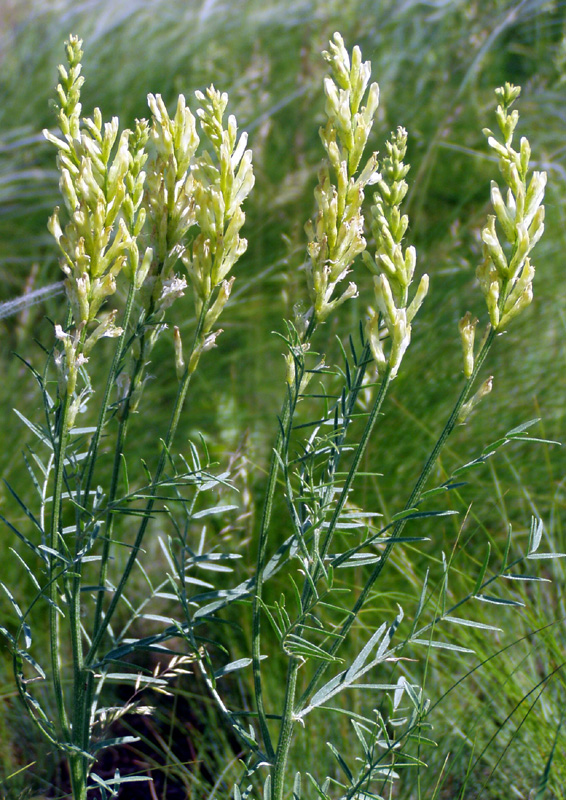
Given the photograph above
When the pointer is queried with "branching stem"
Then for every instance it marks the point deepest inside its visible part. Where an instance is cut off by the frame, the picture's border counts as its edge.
(399, 526)
(172, 429)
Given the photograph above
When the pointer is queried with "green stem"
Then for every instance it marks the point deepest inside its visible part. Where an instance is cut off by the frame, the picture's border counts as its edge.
(285, 733)
(286, 729)
(448, 428)
(173, 424)
(78, 761)
(118, 355)
(286, 413)
(97, 639)
(112, 491)
(84, 682)
(449, 611)
(59, 468)
(288, 722)
(78, 777)
(109, 526)
(118, 451)
(411, 502)
(256, 606)
(384, 386)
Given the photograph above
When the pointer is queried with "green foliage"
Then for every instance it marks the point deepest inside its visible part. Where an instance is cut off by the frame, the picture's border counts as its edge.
(327, 567)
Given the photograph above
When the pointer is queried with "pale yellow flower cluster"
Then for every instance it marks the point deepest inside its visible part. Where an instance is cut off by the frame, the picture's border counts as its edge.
(96, 243)
(108, 197)
(170, 195)
(506, 273)
(336, 235)
(392, 266)
(222, 185)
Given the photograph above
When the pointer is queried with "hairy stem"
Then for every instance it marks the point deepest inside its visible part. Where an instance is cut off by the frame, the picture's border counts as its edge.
(286, 732)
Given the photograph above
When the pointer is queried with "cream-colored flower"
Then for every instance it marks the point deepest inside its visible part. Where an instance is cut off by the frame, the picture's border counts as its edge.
(392, 265)
(336, 234)
(518, 223)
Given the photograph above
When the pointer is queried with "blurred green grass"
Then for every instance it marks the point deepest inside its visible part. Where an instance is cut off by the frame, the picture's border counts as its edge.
(437, 64)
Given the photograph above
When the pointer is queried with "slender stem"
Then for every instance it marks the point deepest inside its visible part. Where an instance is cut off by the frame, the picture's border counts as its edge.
(85, 696)
(118, 450)
(172, 429)
(181, 394)
(449, 611)
(84, 711)
(79, 687)
(286, 732)
(78, 776)
(286, 414)
(411, 502)
(109, 521)
(358, 455)
(77, 765)
(256, 606)
(118, 355)
(84, 682)
(59, 466)
(448, 428)
(288, 722)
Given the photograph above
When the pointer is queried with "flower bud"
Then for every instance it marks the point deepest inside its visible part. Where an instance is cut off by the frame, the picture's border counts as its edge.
(535, 195)
(467, 328)
(524, 299)
(468, 407)
(106, 328)
(179, 360)
(409, 266)
(418, 299)
(522, 247)
(82, 292)
(494, 249)
(143, 269)
(507, 94)
(384, 299)
(525, 151)
(400, 340)
(492, 299)
(54, 226)
(504, 217)
(374, 340)
(219, 303)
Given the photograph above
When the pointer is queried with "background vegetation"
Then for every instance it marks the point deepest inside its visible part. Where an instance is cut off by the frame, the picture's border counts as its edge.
(437, 64)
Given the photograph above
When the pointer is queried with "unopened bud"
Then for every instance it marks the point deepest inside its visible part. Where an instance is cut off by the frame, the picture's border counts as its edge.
(493, 247)
(179, 360)
(492, 299)
(376, 346)
(143, 269)
(419, 297)
(218, 305)
(467, 328)
(468, 407)
(400, 340)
